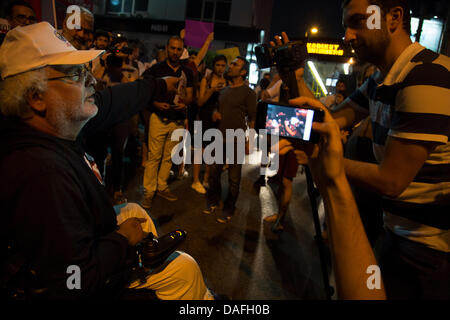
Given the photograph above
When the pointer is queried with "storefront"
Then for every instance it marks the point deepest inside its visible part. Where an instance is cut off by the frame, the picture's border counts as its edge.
(329, 60)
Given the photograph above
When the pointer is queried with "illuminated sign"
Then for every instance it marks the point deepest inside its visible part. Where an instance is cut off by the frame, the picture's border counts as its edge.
(330, 49)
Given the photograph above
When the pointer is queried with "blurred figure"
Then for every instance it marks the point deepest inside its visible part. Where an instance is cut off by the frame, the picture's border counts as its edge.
(335, 99)
(125, 53)
(208, 100)
(102, 40)
(90, 41)
(368, 71)
(119, 71)
(169, 114)
(359, 147)
(236, 110)
(135, 58)
(80, 37)
(160, 55)
(263, 84)
(20, 13)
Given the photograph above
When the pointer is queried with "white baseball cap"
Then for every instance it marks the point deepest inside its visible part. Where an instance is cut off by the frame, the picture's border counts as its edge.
(36, 46)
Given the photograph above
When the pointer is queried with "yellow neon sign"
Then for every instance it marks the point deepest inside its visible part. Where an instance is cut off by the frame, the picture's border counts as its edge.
(330, 49)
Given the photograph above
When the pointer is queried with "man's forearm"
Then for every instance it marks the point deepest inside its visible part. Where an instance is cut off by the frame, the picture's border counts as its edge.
(367, 175)
(202, 52)
(189, 96)
(346, 116)
(352, 254)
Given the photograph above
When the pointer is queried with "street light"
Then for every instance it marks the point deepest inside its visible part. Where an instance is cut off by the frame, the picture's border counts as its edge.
(313, 30)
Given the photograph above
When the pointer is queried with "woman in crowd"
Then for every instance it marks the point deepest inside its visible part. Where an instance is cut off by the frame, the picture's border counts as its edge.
(208, 98)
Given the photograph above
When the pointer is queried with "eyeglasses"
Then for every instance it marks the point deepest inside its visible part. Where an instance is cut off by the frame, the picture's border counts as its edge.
(24, 19)
(80, 76)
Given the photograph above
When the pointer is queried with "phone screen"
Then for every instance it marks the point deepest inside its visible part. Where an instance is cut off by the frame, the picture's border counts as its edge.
(289, 122)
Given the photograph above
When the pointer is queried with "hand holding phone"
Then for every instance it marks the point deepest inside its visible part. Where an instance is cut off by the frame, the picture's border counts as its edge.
(291, 122)
(327, 159)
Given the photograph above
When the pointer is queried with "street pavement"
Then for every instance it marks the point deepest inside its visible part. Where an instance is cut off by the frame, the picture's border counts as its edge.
(244, 259)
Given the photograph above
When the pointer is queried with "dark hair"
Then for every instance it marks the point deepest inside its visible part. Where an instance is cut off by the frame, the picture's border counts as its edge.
(119, 40)
(174, 38)
(245, 67)
(112, 61)
(219, 57)
(193, 52)
(101, 33)
(264, 83)
(136, 43)
(12, 4)
(387, 5)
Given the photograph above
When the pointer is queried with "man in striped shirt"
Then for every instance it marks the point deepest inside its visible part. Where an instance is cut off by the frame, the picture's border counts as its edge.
(408, 103)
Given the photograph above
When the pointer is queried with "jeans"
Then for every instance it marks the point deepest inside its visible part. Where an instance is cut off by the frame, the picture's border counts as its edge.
(214, 193)
(411, 270)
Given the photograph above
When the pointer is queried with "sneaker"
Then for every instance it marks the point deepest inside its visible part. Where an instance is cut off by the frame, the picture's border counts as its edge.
(205, 184)
(182, 175)
(166, 194)
(210, 209)
(147, 202)
(273, 218)
(224, 218)
(197, 186)
(261, 181)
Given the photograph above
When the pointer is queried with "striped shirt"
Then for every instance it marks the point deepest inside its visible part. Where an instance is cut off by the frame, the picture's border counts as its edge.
(413, 102)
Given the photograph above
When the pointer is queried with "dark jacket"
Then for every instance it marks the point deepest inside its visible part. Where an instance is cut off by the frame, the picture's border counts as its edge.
(54, 210)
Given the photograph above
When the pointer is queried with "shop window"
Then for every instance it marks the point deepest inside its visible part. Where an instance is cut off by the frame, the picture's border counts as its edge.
(209, 10)
(128, 7)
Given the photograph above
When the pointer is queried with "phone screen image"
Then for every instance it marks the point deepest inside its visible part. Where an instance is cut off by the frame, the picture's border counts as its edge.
(289, 122)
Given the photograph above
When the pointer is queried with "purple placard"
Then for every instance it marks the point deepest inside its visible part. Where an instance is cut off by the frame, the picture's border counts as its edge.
(196, 33)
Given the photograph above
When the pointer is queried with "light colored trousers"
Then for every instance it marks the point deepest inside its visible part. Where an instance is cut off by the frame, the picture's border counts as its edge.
(180, 279)
(159, 163)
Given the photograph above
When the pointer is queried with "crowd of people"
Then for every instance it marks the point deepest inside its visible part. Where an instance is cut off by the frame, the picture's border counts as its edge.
(73, 101)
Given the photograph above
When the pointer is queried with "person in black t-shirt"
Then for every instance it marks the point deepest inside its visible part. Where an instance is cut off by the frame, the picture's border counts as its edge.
(169, 114)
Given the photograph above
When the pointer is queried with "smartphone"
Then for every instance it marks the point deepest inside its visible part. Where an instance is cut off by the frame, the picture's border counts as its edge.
(290, 122)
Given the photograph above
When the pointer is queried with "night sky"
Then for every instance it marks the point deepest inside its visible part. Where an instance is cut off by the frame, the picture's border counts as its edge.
(296, 16)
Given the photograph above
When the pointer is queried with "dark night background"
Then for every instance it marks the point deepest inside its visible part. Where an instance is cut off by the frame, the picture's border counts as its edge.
(295, 17)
